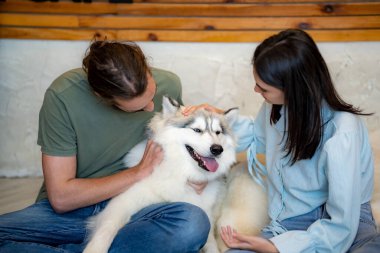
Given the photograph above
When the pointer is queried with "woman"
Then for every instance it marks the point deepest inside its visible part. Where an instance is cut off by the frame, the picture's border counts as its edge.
(319, 164)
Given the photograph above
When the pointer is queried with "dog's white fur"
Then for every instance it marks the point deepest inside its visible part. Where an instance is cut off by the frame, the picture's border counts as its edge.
(168, 182)
(244, 207)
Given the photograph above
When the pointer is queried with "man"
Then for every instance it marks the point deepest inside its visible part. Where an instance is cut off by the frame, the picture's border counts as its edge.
(89, 120)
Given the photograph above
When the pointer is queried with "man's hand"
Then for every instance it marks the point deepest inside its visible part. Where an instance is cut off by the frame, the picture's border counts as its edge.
(238, 241)
(152, 157)
(197, 186)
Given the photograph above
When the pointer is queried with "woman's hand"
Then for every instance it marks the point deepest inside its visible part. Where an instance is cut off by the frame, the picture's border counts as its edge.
(192, 108)
(238, 241)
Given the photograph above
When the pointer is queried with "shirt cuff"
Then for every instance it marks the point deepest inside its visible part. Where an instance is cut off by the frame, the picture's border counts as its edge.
(292, 241)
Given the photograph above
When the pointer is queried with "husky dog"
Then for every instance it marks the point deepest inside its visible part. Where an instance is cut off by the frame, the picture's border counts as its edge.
(197, 148)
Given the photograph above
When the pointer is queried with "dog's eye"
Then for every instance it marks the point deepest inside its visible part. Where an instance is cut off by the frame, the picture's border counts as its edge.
(197, 130)
(218, 132)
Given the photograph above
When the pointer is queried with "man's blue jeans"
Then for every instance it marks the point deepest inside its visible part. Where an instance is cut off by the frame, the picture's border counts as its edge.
(164, 227)
(367, 239)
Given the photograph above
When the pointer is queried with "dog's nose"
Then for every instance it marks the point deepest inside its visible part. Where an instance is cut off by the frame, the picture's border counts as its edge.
(216, 149)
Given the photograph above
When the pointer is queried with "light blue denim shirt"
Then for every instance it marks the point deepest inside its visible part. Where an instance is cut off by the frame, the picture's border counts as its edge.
(339, 174)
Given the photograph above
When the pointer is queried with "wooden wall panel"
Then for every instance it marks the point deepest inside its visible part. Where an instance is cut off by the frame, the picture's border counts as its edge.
(190, 20)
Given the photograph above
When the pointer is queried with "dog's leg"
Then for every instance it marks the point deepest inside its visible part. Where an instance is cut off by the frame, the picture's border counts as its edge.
(107, 224)
(117, 213)
(211, 246)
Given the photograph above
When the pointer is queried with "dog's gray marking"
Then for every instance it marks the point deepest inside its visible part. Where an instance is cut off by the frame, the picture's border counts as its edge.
(173, 102)
(233, 108)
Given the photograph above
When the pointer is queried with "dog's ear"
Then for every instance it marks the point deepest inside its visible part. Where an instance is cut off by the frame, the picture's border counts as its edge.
(169, 106)
(231, 115)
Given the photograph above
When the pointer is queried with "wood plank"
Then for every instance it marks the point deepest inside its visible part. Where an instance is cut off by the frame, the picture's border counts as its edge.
(249, 1)
(30, 20)
(214, 10)
(222, 1)
(180, 36)
(59, 7)
(249, 36)
(250, 10)
(359, 22)
(55, 34)
(125, 22)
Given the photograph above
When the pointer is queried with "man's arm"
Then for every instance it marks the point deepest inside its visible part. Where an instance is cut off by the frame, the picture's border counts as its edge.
(66, 192)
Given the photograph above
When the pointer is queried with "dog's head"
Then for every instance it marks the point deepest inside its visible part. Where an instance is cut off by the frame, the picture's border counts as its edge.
(203, 140)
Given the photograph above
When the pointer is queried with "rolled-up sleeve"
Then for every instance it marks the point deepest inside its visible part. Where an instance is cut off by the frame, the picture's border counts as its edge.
(250, 131)
(243, 129)
(56, 135)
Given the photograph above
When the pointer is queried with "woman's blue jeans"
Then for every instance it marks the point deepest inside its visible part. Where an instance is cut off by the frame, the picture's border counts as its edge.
(367, 239)
(164, 227)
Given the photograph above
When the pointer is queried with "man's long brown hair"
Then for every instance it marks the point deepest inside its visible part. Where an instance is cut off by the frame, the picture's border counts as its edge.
(116, 69)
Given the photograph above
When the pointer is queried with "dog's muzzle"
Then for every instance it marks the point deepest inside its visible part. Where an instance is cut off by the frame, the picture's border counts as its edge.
(206, 163)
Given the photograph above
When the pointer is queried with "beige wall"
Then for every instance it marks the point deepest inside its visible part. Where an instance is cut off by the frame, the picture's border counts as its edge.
(217, 73)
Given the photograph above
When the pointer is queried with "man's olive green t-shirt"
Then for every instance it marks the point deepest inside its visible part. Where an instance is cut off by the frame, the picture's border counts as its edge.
(73, 121)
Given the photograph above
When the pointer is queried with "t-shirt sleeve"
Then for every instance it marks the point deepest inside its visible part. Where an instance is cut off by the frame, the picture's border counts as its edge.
(250, 131)
(177, 82)
(177, 87)
(169, 84)
(56, 135)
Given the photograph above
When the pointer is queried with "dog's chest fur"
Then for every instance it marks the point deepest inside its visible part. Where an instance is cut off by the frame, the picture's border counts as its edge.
(168, 182)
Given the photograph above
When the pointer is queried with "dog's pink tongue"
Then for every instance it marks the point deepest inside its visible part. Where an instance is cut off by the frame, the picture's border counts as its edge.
(210, 163)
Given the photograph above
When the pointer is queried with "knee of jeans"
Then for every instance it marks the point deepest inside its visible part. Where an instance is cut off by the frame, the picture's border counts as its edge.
(196, 224)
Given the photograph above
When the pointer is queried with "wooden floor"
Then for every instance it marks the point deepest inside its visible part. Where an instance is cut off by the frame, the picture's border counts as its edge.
(17, 193)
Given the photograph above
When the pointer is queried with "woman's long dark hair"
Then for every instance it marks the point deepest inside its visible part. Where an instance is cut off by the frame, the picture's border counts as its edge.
(116, 69)
(291, 61)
